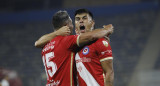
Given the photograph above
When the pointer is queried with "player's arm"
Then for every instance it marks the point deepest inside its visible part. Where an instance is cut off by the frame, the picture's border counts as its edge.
(95, 34)
(107, 66)
(42, 41)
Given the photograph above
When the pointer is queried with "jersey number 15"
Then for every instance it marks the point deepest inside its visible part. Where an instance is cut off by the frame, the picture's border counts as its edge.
(50, 66)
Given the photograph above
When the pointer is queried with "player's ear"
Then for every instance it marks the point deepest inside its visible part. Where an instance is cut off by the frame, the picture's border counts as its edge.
(93, 23)
(65, 24)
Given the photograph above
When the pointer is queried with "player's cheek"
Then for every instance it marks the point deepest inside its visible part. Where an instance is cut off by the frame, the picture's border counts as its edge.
(76, 22)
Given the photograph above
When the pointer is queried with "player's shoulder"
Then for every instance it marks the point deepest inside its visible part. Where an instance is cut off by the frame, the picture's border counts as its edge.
(101, 40)
(70, 37)
(67, 39)
(57, 37)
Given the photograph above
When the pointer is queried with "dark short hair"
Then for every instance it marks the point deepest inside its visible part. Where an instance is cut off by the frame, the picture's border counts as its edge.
(80, 11)
(60, 19)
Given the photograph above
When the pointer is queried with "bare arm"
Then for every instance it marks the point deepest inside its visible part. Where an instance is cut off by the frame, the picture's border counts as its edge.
(42, 41)
(95, 34)
(107, 66)
(83, 39)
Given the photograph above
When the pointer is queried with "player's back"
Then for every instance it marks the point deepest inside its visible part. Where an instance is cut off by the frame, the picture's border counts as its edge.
(58, 56)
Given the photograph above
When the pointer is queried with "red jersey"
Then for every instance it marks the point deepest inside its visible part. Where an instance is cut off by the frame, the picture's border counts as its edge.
(88, 63)
(58, 56)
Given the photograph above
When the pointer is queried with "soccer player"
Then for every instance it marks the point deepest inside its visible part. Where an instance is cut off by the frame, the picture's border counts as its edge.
(58, 54)
(94, 62)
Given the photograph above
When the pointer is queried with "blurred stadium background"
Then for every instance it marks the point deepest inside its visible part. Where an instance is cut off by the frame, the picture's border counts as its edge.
(135, 42)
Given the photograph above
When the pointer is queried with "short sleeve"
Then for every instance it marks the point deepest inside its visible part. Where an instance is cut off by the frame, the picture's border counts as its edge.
(71, 42)
(103, 49)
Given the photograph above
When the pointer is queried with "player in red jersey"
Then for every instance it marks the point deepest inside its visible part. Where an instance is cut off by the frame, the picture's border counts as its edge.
(58, 55)
(94, 62)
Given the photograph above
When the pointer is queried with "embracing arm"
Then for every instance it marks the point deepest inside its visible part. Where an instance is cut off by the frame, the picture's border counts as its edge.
(42, 41)
(95, 34)
(83, 38)
(107, 66)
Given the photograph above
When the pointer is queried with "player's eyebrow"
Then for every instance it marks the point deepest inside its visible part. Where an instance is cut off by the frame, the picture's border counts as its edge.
(77, 18)
(85, 16)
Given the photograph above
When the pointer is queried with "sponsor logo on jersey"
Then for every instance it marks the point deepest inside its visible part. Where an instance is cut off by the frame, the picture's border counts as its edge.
(86, 50)
(84, 59)
(54, 83)
(105, 43)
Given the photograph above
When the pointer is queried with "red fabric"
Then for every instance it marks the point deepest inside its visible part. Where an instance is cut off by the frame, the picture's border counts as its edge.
(58, 57)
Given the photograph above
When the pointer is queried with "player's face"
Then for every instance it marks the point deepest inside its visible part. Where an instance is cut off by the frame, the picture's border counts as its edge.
(83, 23)
(70, 24)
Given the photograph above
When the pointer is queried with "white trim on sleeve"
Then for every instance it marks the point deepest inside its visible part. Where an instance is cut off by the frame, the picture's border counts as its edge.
(108, 58)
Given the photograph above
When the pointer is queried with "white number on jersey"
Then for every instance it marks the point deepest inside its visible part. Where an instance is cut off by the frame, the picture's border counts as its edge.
(50, 66)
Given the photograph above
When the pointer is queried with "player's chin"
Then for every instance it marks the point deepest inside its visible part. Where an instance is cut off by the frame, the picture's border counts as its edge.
(82, 31)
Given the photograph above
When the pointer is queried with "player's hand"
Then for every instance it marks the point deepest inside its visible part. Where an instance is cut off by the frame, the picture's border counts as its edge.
(108, 28)
(77, 32)
(64, 31)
